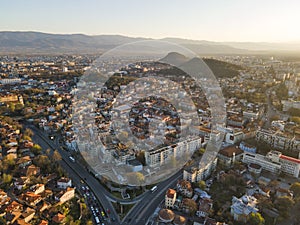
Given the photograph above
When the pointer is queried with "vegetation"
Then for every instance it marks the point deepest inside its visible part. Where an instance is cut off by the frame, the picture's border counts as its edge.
(282, 92)
(256, 219)
(222, 69)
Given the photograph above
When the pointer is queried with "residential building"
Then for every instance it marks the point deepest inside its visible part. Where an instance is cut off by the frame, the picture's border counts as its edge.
(242, 207)
(66, 195)
(274, 162)
(166, 215)
(247, 147)
(195, 173)
(64, 183)
(265, 162)
(185, 188)
(278, 140)
(227, 156)
(158, 157)
(170, 198)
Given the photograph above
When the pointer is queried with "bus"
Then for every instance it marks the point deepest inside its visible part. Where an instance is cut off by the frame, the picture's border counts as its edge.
(154, 189)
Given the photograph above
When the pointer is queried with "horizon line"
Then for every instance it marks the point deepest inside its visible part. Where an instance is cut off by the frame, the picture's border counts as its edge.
(161, 38)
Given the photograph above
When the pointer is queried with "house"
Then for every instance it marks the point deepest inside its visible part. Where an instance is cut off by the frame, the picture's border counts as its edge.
(242, 207)
(170, 198)
(185, 188)
(21, 222)
(227, 156)
(66, 195)
(64, 183)
(43, 222)
(38, 189)
(32, 170)
(166, 215)
(179, 220)
(19, 183)
(205, 205)
(31, 198)
(281, 192)
(58, 218)
(195, 173)
(4, 199)
(24, 161)
(28, 214)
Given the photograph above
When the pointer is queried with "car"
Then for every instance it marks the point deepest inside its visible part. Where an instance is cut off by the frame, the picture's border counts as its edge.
(71, 158)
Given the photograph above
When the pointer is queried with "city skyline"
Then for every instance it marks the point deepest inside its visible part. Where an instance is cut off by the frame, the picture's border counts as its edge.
(268, 21)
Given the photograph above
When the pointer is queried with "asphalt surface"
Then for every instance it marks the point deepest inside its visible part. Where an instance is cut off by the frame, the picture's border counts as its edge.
(77, 172)
(144, 209)
(145, 204)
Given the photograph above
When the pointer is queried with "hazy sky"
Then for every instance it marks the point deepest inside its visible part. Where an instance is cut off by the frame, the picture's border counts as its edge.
(215, 20)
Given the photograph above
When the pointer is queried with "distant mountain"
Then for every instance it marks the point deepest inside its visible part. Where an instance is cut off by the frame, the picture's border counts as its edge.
(37, 42)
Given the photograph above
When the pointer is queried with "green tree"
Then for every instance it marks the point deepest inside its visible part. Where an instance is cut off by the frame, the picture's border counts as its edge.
(201, 184)
(256, 219)
(36, 149)
(6, 178)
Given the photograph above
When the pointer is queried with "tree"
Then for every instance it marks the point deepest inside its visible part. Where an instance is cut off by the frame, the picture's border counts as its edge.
(6, 178)
(56, 156)
(191, 205)
(295, 188)
(140, 156)
(256, 219)
(284, 204)
(28, 132)
(36, 149)
(201, 184)
(135, 178)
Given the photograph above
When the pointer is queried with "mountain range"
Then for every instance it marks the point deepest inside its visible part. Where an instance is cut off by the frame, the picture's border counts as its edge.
(37, 42)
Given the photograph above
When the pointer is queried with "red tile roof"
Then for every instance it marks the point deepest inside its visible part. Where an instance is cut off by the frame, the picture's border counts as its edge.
(290, 159)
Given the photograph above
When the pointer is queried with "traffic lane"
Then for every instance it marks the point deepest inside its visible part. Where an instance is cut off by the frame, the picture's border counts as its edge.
(151, 200)
(147, 211)
(81, 173)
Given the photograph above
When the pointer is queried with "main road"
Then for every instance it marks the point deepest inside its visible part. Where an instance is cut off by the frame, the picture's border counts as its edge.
(145, 204)
(77, 172)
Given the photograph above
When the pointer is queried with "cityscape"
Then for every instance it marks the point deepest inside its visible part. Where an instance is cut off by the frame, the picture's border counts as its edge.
(151, 125)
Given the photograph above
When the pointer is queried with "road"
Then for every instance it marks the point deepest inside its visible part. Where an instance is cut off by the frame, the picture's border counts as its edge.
(145, 203)
(144, 209)
(77, 172)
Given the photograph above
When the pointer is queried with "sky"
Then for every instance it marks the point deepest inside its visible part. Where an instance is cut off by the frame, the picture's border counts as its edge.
(213, 20)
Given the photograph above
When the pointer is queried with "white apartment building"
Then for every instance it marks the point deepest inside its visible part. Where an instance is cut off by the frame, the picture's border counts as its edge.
(274, 162)
(158, 157)
(263, 161)
(170, 198)
(278, 140)
(195, 174)
(290, 165)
